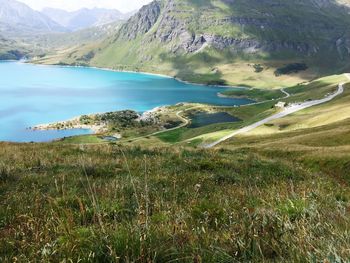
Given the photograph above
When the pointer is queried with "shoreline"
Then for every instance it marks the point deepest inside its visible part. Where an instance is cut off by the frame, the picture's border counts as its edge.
(74, 123)
(221, 95)
(71, 124)
(95, 128)
(133, 71)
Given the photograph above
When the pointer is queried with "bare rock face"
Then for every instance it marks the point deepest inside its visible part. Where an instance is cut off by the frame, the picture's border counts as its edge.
(193, 43)
(342, 46)
(265, 28)
(170, 26)
(141, 22)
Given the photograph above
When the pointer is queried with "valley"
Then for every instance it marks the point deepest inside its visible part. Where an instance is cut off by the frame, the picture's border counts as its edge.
(184, 131)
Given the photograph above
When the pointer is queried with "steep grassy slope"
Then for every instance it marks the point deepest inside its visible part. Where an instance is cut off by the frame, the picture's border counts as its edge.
(324, 148)
(216, 41)
(113, 204)
(318, 136)
(325, 114)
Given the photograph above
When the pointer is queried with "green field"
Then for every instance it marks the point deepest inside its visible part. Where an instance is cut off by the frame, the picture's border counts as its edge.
(117, 204)
(255, 94)
(84, 139)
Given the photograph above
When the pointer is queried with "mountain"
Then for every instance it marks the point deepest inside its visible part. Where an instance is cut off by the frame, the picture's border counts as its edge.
(10, 49)
(79, 39)
(232, 41)
(84, 18)
(18, 19)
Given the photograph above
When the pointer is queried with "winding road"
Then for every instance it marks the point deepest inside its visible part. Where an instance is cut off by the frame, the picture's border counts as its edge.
(287, 111)
(286, 93)
(185, 122)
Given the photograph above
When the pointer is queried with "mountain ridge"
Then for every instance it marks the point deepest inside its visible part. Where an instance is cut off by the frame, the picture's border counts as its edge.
(171, 27)
(84, 18)
(201, 40)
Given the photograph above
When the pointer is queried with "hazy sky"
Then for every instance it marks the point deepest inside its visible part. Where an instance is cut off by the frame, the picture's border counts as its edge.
(122, 5)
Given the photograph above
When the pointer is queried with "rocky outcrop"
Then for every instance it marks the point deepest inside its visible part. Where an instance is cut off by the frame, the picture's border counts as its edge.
(184, 27)
(342, 45)
(193, 43)
(141, 22)
(171, 28)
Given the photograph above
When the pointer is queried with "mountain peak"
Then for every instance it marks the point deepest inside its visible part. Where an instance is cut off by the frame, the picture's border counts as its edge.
(16, 17)
(141, 22)
(84, 18)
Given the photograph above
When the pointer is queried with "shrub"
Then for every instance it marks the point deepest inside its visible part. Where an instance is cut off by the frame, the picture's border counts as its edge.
(258, 68)
(291, 68)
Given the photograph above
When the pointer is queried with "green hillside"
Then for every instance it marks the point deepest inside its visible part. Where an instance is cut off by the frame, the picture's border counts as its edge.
(76, 39)
(38, 46)
(317, 137)
(230, 42)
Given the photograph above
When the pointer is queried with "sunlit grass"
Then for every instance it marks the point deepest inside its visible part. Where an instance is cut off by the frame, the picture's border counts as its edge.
(113, 204)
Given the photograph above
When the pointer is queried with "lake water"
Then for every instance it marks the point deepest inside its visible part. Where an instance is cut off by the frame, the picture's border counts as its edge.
(31, 95)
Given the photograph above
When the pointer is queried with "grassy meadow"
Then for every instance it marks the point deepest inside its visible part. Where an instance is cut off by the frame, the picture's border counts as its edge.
(127, 204)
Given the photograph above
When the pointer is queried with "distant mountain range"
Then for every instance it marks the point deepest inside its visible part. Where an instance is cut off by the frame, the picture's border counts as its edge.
(13, 50)
(26, 32)
(84, 18)
(17, 19)
(206, 40)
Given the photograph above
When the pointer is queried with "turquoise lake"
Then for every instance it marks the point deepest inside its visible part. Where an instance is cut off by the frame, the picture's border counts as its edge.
(32, 95)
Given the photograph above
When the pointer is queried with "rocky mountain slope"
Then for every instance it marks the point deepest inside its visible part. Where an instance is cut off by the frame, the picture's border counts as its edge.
(10, 49)
(84, 18)
(18, 19)
(205, 40)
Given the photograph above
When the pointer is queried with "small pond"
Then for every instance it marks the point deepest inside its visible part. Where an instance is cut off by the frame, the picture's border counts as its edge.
(201, 119)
